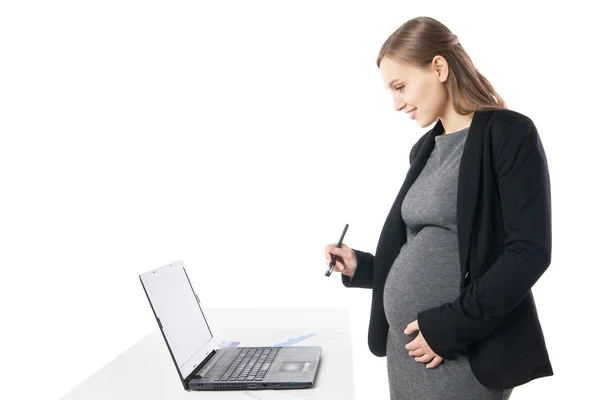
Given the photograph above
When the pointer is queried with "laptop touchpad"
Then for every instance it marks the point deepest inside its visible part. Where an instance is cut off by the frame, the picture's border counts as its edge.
(293, 367)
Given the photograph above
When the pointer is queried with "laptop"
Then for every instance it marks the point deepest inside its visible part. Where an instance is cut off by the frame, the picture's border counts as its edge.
(201, 363)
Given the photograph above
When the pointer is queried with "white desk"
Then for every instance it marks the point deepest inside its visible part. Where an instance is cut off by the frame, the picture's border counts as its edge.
(146, 370)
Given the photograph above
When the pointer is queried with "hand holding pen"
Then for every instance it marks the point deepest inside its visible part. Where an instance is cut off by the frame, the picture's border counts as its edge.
(340, 257)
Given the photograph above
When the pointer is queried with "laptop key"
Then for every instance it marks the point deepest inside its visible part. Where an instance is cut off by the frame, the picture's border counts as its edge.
(265, 367)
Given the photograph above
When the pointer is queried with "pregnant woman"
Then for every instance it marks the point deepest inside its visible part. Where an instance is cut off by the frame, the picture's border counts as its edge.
(467, 237)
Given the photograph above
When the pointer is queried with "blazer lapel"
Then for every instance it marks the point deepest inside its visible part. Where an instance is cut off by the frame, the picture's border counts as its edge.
(469, 172)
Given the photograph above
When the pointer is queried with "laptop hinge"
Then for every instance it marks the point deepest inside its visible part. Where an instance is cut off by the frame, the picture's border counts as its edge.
(199, 367)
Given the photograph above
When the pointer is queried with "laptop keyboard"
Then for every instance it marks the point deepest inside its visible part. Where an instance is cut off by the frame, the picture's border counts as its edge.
(249, 364)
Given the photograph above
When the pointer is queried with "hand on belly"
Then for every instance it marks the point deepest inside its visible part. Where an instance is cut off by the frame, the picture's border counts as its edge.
(419, 349)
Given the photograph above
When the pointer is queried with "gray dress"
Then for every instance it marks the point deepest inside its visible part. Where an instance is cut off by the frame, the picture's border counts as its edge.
(426, 274)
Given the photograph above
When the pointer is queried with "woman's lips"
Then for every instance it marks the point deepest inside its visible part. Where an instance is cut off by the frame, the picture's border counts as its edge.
(412, 113)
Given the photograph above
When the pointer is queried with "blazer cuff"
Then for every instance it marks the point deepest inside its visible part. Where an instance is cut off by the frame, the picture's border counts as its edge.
(363, 276)
(433, 327)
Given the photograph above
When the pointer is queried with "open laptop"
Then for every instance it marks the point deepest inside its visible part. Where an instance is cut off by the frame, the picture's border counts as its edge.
(201, 364)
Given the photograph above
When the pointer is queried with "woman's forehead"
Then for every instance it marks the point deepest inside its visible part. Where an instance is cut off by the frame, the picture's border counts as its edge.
(395, 67)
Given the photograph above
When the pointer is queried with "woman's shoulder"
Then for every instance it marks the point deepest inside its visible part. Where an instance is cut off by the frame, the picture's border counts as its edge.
(504, 119)
(508, 124)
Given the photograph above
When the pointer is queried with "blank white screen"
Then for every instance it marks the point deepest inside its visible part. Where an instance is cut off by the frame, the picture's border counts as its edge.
(180, 314)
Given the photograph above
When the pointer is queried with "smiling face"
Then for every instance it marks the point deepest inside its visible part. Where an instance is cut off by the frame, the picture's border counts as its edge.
(416, 88)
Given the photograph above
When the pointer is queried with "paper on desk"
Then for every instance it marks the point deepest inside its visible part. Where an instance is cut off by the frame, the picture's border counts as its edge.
(289, 338)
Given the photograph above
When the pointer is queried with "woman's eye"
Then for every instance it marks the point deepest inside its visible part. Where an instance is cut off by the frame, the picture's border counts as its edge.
(399, 87)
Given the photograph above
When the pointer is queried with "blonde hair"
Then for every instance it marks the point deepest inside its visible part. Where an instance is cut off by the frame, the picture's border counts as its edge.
(419, 40)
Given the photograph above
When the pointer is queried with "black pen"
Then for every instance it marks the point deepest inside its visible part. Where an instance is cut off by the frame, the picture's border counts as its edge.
(330, 270)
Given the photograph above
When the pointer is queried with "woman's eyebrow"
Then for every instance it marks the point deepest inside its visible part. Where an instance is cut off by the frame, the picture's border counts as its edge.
(392, 81)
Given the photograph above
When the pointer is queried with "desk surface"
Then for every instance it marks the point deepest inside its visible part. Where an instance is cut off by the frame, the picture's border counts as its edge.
(146, 370)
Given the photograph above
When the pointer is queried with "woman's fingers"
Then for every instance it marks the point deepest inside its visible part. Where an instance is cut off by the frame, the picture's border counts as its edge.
(330, 250)
(416, 353)
(425, 358)
(437, 360)
(328, 254)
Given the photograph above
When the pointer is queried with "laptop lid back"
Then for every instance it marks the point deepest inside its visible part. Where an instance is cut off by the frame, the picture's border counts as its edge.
(179, 316)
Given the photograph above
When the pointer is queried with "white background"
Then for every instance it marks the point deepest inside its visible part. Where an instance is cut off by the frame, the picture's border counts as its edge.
(240, 137)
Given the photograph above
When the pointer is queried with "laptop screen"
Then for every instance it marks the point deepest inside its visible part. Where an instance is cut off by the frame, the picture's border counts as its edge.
(183, 323)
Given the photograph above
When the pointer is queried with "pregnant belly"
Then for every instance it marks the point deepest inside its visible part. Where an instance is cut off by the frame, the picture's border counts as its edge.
(425, 274)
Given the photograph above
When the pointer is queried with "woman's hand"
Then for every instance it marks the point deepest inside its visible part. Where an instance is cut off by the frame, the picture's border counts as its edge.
(419, 348)
(345, 258)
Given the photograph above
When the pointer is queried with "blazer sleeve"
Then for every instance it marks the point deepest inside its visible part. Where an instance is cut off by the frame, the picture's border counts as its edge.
(524, 187)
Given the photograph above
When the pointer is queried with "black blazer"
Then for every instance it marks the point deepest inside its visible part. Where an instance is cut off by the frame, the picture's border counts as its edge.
(504, 239)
